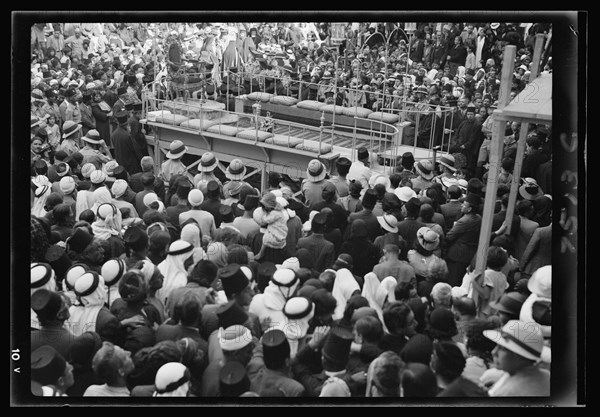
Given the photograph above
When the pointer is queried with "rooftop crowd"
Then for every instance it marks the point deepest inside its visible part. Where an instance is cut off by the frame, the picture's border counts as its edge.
(163, 281)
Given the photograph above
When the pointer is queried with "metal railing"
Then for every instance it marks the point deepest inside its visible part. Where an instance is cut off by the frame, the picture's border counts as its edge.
(380, 132)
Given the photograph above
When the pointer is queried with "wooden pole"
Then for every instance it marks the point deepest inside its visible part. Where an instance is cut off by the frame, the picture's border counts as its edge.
(537, 56)
(495, 156)
(516, 178)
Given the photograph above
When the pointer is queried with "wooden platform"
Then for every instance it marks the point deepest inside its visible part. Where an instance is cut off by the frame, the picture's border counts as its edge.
(533, 104)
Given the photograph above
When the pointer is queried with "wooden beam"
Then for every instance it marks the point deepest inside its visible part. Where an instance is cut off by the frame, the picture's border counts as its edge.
(496, 148)
(514, 186)
(537, 56)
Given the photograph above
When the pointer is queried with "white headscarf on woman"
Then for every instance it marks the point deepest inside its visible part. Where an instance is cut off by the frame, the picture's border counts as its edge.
(191, 233)
(343, 288)
(389, 285)
(173, 270)
(83, 317)
(100, 196)
(375, 293)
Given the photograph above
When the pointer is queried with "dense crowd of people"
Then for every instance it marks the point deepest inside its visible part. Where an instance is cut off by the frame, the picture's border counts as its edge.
(171, 282)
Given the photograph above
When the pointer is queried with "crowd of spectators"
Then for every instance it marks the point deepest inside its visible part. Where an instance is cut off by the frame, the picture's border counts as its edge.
(158, 282)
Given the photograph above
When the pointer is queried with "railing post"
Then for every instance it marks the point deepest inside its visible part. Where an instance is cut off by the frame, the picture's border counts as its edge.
(321, 131)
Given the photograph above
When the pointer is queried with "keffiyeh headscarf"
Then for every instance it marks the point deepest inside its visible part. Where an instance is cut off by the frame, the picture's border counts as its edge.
(174, 271)
(83, 317)
(108, 222)
(343, 288)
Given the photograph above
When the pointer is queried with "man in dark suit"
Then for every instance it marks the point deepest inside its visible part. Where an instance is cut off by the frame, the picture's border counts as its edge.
(366, 214)
(499, 218)
(538, 252)
(212, 204)
(533, 159)
(462, 240)
(127, 152)
(135, 180)
(528, 226)
(339, 218)
(452, 210)
(322, 251)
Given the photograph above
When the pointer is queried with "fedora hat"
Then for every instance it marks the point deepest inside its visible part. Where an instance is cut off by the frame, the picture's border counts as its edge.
(236, 170)
(208, 162)
(530, 190)
(176, 149)
(524, 339)
(70, 127)
(425, 169)
(509, 303)
(315, 171)
(92, 136)
(447, 161)
(405, 193)
(428, 239)
(389, 222)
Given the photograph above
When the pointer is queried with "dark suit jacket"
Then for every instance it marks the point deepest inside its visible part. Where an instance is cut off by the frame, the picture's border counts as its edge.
(452, 212)
(524, 236)
(126, 150)
(463, 238)
(373, 226)
(322, 250)
(407, 229)
(538, 252)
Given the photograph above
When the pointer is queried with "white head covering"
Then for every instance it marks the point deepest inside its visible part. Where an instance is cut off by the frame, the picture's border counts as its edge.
(277, 295)
(108, 226)
(172, 380)
(389, 284)
(343, 287)
(296, 328)
(173, 270)
(83, 317)
(375, 293)
(100, 196)
(191, 234)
